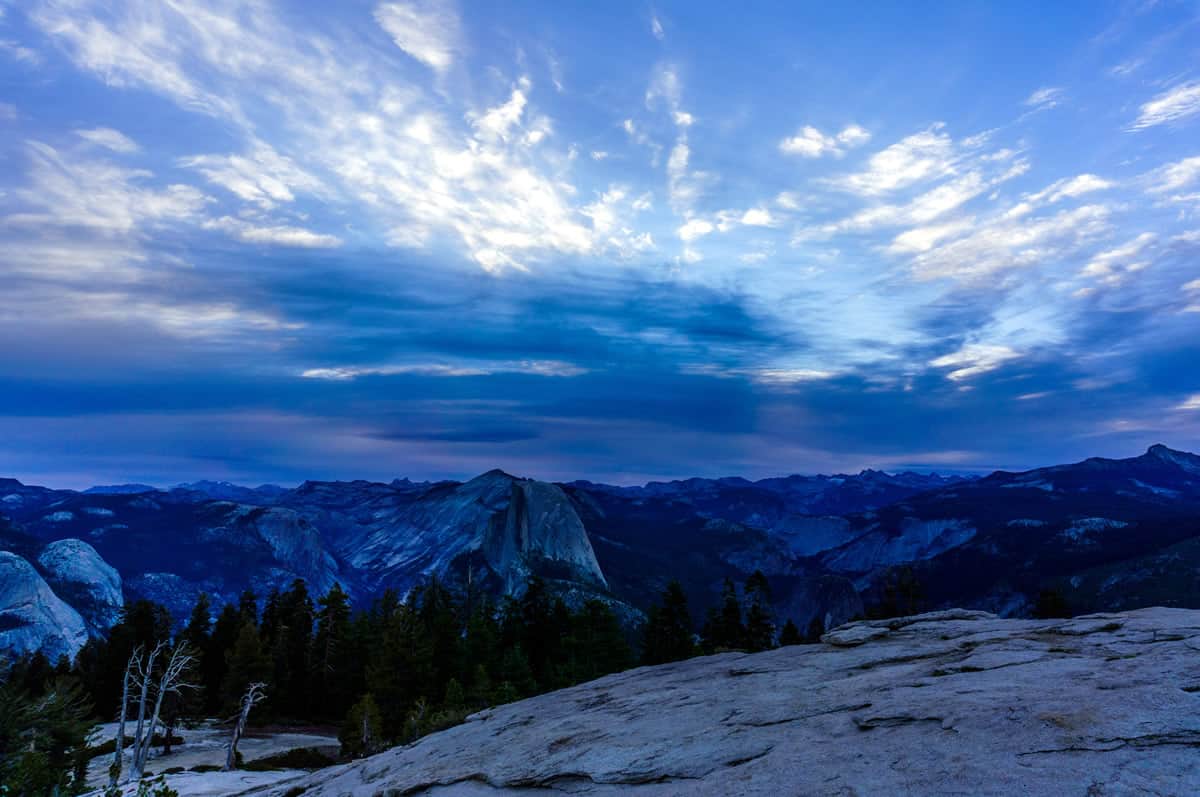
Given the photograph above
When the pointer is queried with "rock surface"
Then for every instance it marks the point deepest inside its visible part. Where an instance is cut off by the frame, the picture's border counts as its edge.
(946, 703)
(32, 617)
(79, 576)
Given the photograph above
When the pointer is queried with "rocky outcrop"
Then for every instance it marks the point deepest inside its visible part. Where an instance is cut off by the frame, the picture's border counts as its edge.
(947, 703)
(79, 576)
(511, 527)
(32, 617)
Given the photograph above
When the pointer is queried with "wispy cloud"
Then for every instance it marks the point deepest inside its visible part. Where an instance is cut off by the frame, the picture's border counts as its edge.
(1172, 105)
(550, 368)
(974, 359)
(109, 138)
(428, 30)
(1045, 98)
(277, 234)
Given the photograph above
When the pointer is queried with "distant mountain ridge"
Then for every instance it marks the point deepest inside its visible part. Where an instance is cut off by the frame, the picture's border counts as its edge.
(1102, 533)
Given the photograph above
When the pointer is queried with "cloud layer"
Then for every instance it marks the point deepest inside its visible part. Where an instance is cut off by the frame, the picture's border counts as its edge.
(252, 240)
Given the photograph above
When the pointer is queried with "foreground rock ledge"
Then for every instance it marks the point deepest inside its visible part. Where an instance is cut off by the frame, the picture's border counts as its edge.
(950, 702)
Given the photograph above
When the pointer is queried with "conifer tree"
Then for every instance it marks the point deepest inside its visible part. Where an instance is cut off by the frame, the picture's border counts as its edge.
(760, 621)
(668, 633)
(362, 732)
(790, 635)
(247, 664)
(331, 655)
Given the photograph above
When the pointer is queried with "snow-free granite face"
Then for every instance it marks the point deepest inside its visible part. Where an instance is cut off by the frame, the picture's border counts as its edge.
(32, 617)
(955, 702)
(80, 577)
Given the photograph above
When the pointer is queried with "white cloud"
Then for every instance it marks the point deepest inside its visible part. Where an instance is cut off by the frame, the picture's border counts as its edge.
(656, 28)
(974, 359)
(279, 235)
(261, 175)
(809, 142)
(1173, 176)
(1190, 403)
(20, 53)
(550, 368)
(923, 156)
(1170, 106)
(107, 137)
(1113, 266)
(1044, 98)
(757, 217)
(497, 122)
(599, 155)
(977, 173)
(1070, 188)
(96, 194)
(1003, 243)
(426, 30)
(694, 228)
(922, 239)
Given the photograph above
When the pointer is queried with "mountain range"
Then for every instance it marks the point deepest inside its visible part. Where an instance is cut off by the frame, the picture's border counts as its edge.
(1102, 534)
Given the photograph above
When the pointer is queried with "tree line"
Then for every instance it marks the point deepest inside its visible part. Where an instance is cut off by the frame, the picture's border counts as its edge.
(386, 674)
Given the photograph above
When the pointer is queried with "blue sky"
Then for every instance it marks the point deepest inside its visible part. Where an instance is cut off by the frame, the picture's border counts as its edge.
(269, 241)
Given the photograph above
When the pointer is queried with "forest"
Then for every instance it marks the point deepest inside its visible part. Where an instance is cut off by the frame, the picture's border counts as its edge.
(384, 674)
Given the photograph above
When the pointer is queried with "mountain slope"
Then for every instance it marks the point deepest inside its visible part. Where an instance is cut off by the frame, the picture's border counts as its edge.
(945, 704)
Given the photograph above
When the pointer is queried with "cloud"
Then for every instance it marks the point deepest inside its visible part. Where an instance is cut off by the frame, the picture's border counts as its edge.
(693, 229)
(1003, 243)
(1173, 176)
(1111, 267)
(19, 52)
(261, 175)
(757, 217)
(1170, 106)
(1190, 403)
(918, 158)
(1044, 98)
(98, 195)
(109, 138)
(656, 28)
(426, 30)
(497, 122)
(974, 359)
(1070, 188)
(279, 235)
(809, 142)
(550, 368)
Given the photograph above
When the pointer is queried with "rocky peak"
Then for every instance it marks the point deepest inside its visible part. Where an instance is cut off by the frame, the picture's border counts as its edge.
(78, 575)
(32, 617)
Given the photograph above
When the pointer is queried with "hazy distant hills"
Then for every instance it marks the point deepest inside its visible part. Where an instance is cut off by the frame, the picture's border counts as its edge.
(1100, 534)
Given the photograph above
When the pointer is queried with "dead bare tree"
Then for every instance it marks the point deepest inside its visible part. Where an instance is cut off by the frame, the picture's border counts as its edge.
(145, 678)
(254, 695)
(114, 771)
(170, 682)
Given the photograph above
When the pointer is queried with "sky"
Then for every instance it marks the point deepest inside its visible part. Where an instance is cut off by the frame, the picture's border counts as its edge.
(270, 241)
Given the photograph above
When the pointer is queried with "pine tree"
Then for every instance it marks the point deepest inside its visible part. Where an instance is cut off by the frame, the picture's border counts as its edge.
(248, 606)
(362, 732)
(43, 739)
(332, 649)
(668, 633)
(760, 620)
(723, 630)
(247, 663)
(816, 629)
(215, 662)
(790, 635)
